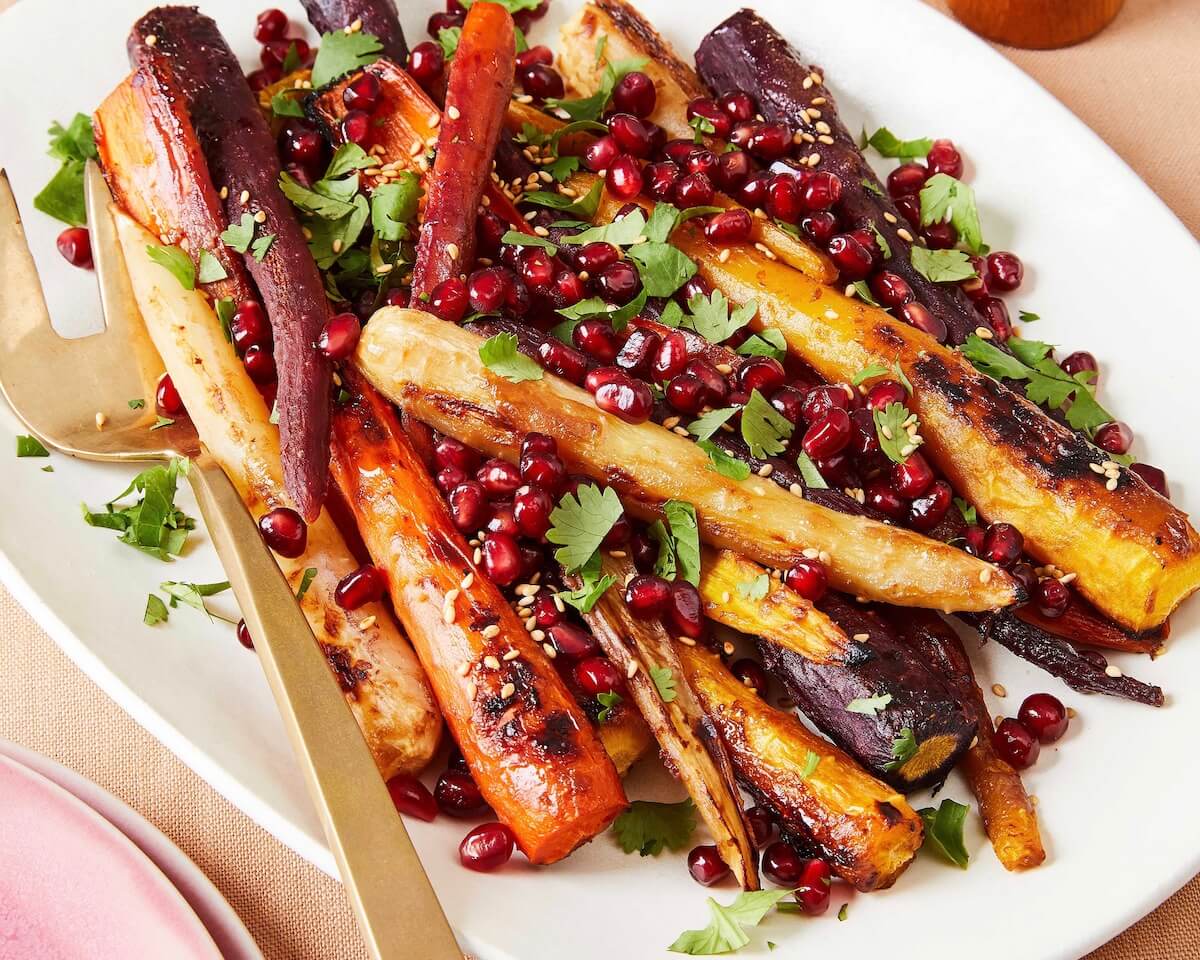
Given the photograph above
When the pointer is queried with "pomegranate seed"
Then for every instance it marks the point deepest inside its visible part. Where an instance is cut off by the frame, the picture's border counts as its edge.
(907, 179)
(468, 506)
(572, 641)
(685, 610)
(542, 82)
(449, 300)
(260, 364)
(820, 400)
(883, 498)
(660, 179)
(539, 54)
(750, 674)
(340, 336)
(671, 358)
(940, 236)
(489, 231)
(412, 797)
(597, 338)
(538, 443)
(927, 511)
(300, 143)
(450, 477)
(995, 314)
(499, 478)
(647, 596)
(884, 393)
(715, 385)
(821, 191)
(364, 585)
(76, 247)
(624, 177)
(828, 435)
(270, 25)
(912, 477)
(426, 62)
(531, 511)
(1022, 572)
(891, 289)
(458, 795)
(166, 397)
(694, 190)
(275, 52)
(488, 846)
(243, 635)
(851, 257)
(1052, 598)
(536, 268)
(821, 226)
(697, 286)
(686, 393)
(918, 316)
(732, 226)
(1016, 745)
(638, 352)
(807, 578)
(1043, 715)
(486, 289)
(545, 612)
(362, 93)
(783, 198)
(738, 105)
(790, 402)
(754, 191)
(624, 397)
(812, 891)
(356, 126)
(910, 208)
(635, 93)
(761, 824)
(284, 531)
(618, 282)
(449, 452)
(630, 134)
(501, 558)
(503, 521)
(597, 675)
(764, 374)
(770, 141)
(543, 469)
(565, 361)
(1154, 477)
(1002, 544)
(706, 866)
(1080, 362)
(1005, 270)
(1115, 437)
(782, 865)
(709, 109)
(944, 158)
(261, 79)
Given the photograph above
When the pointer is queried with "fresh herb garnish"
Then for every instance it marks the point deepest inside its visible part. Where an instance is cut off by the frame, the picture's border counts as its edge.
(705, 426)
(283, 104)
(193, 594)
(239, 236)
(306, 580)
(894, 438)
(722, 463)
(725, 932)
(500, 355)
(650, 828)
(162, 422)
(765, 430)
(154, 524)
(712, 318)
(685, 532)
(810, 473)
(755, 589)
(945, 198)
(887, 144)
(944, 830)
(591, 108)
(1026, 317)
(903, 749)
(156, 611)
(592, 588)
(341, 52)
(518, 238)
(30, 446)
(863, 292)
(768, 343)
(210, 268)
(137, 403)
(884, 247)
(842, 911)
(580, 523)
(394, 207)
(869, 706)
(608, 701)
(72, 145)
(942, 266)
(595, 307)
(968, 512)
(448, 37)
(664, 565)
(176, 262)
(812, 760)
(664, 682)
(584, 207)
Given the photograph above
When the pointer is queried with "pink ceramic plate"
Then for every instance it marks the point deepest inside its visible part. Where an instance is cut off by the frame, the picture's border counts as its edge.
(73, 886)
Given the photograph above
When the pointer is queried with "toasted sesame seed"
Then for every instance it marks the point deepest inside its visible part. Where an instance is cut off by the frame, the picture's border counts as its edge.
(887, 432)
(796, 489)
(1068, 578)
(511, 655)
(765, 470)
(467, 581)
(526, 601)
(822, 127)
(998, 690)
(682, 431)
(559, 605)
(818, 101)
(1113, 670)
(825, 138)
(686, 641)
(814, 159)
(807, 84)
(448, 614)
(985, 575)
(336, 246)
(1111, 483)
(728, 648)
(244, 197)
(725, 369)
(810, 553)
(907, 449)
(541, 231)
(1071, 714)
(631, 669)
(538, 635)
(530, 622)
(367, 622)
(452, 112)
(861, 637)
(101, 420)
(903, 234)
(549, 650)
(671, 422)
(1096, 468)
(507, 691)
(889, 217)
(151, 40)
(824, 557)
(491, 662)
(490, 631)
(477, 556)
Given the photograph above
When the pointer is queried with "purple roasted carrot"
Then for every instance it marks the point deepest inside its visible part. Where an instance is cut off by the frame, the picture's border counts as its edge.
(376, 17)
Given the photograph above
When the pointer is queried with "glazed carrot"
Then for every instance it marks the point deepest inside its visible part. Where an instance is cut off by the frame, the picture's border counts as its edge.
(477, 93)
(376, 17)
(535, 756)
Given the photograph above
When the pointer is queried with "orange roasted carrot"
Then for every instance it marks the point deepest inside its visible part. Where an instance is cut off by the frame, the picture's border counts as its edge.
(531, 749)
(477, 94)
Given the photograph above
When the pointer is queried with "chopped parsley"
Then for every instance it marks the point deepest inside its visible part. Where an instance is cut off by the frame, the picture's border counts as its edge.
(712, 318)
(30, 446)
(887, 144)
(869, 706)
(193, 594)
(725, 932)
(239, 236)
(341, 52)
(944, 198)
(904, 747)
(591, 108)
(722, 463)
(448, 37)
(812, 760)
(942, 266)
(765, 430)
(580, 523)
(650, 828)
(968, 512)
(501, 356)
(210, 268)
(519, 238)
(755, 589)
(259, 247)
(156, 611)
(592, 587)
(154, 524)
(767, 343)
(72, 145)
(705, 426)
(810, 473)
(608, 702)
(664, 682)
(944, 831)
(894, 438)
(685, 534)
(584, 207)
(306, 579)
(175, 262)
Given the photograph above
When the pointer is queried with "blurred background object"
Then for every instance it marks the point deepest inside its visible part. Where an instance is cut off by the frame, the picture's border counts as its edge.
(1036, 24)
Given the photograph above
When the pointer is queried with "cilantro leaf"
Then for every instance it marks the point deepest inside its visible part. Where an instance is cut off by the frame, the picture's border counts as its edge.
(810, 473)
(175, 262)
(869, 373)
(884, 247)
(193, 594)
(765, 430)
(593, 587)
(394, 207)
(310, 200)
(863, 292)
(156, 611)
(945, 198)
(238, 236)
(75, 141)
(342, 52)
(755, 589)
(725, 933)
(137, 403)
(608, 701)
(72, 145)
(869, 706)
(942, 266)
(448, 37)
(500, 355)
(584, 207)
(590, 108)
(260, 246)
(518, 238)
(1026, 317)
(944, 831)
(768, 343)
(595, 307)
(705, 426)
(580, 523)
(990, 359)
(153, 525)
(30, 446)
(331, 239)
(903, 749)
(894, 439)
(721, 462)
(664, 682)
(663, 268)
(283, 104)
(210, 268)
(968, 512)
(887, 144)
(811, 761)
(685, 531)
(712, 319)
(620, 233)
(664, 565)
(650, 828)
(346, 159)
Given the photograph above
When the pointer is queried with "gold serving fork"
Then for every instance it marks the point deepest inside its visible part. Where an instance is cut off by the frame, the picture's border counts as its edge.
(397, 909)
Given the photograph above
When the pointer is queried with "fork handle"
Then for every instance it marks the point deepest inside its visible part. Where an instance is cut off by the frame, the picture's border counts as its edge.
(396, 907)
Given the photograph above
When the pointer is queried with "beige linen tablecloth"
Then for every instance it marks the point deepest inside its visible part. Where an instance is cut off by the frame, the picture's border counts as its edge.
(1137, 85)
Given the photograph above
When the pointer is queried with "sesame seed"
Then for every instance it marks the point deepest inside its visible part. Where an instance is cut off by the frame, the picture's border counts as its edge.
(541, 231)
(530, 622)
(507, 691)
(1113, 670)
(671, 422)
(1071, 714)
(490, 631)
(336, 246)
(1111, 465)
(526, 601)
(725, 369)
(686, 641)
(983, 333)
(549, 650)
(1095, 468)
(452, 112)
(464, 668)
(903, 234)
(814, 159)
(477, 556)
(887, 432)
(998, 690)
(807, 84)
(907, 449)
(728, 648)
(825, 138)
(682, 431)
(824, 557)
(244, 197)
(491, 662)
(538, 635)
(1111, 484)
(467, 581)
(810, 553)
(526, 589)
(796, 489)
(367, 623)
(889, 217)
(724, 255)
(512, 655)
(1068, 578)
(765, 470)
(452, 250)
(101, 420)
(151, 40)
(224, 193)
(559, 605)
(831, 315)
(631, 669)
(818, 101)
(373, 171)
(985, 575)
(861, 637)
(822, 127)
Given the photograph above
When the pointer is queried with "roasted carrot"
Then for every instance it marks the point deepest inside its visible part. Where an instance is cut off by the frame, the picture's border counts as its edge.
(478, 90)
(376, 17)
(535, 756)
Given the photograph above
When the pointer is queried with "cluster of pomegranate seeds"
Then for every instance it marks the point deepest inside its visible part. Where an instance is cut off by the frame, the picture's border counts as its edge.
(1018, 740)
(75, 245)
(270, 29)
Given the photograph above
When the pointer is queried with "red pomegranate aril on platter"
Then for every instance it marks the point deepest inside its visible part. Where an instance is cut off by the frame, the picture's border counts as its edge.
(457, 794)
(1155, 478)
(812, 890)
(542, 82)
(697, 286)
(910, 208)
(447, 20)
(729, 227)
(820, 227)
(694, 190)
(426, 62)
(808, 578)
(450, 299)
(1015, 744)
(599, 376)
(545, 612)
(927, 511)
(821, 191)
(356, 126)
(1081, 362)
(761, 824)
(572, 641)
(450, 477)
(284, 531)
(362, 586)
(1044, 715)
(678, 151)
(539, 54)
(76, 247)
(1002, 544)
(1052, 598)
(166, 397)
(270, 25)
(660, 179)
(850, 257)
(449, 452)
(274, 53)
(490, 229)
(764, 374)
(912, 477)
(881, 496)
(567, 290)
(789, 401)
(711, 111)
(1115, 437)
(597, 675)
(624, 397)
(1022, 572)
(624, 177)
(531, 511)
(486, 848)
(753, 192)
(637, 353)
(782, 865)
(940, 236)
(884, 393)
(630, 134)
(396, 297)
(742, 133)
(917, 315)
(538, 443)
(771, 141)
(487, 289)
(907, 179)
(499, 478)
(701, 160)
(647, 596)
(783, 198)
(501, 558)
(260, 364)
(339, 336)
(412, 798)
(686, 393)
(944, 158)
(737, 105)
(820, 400)
(503, 521)
(635, 93)
(644, 551)
(262, 78)
(750, 674)
(536, 269)
(243, 635)
(362, 93)
(1005, 270)
(544, 469)
(976, 287)
(995, 315)
(300, 143)
(715, 384)
(618, 282)
(828, 435)
(671, 358)
(597, 338)
(685, 610)
(469, 506)
(706, 866)
(732, 170)
(565, 361)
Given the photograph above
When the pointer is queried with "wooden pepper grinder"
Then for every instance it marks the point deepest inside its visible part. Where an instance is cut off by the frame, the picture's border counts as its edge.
(1036, 24)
